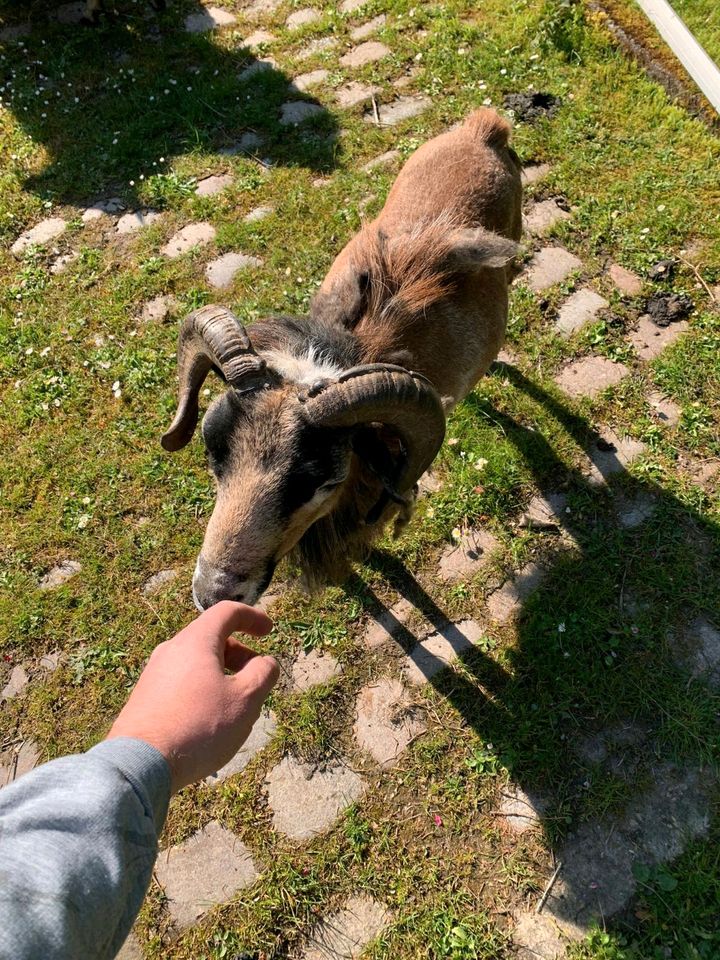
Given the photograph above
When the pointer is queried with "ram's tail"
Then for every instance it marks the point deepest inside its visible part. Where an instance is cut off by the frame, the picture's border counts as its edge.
(489, 127)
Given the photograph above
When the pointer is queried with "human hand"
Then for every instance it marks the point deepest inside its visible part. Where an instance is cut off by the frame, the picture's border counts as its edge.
(186, 706)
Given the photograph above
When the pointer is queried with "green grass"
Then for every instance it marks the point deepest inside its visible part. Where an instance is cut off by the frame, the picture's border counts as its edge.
(84, 476)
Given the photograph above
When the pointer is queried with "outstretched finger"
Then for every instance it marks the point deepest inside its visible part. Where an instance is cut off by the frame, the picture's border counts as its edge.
(217, 623)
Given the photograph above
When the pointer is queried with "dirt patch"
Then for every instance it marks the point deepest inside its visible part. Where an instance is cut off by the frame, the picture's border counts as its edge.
(532, 106)
(667, 308)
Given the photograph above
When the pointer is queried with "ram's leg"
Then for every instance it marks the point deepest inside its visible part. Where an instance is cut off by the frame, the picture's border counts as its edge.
(405, 512)
(93, 9)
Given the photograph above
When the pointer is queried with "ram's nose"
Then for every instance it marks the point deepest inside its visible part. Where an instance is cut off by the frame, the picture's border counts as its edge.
(212, 584)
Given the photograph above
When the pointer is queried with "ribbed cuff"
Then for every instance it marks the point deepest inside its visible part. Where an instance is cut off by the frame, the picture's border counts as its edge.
(145, 768)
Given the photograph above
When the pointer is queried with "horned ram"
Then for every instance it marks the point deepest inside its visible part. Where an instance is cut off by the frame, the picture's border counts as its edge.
(328, 421)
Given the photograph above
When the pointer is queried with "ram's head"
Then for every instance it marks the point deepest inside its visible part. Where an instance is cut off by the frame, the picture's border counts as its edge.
(285, 456)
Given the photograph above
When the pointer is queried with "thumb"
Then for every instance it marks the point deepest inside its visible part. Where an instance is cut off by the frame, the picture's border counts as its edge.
(256, 679)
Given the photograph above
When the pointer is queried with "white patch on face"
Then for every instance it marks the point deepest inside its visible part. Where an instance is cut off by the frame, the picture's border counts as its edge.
(303, 370)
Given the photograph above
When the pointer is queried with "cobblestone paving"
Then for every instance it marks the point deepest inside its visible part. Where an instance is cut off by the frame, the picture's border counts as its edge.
(407, 649)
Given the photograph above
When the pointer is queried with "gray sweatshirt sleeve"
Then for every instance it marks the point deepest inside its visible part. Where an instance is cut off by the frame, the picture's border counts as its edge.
(78, 841)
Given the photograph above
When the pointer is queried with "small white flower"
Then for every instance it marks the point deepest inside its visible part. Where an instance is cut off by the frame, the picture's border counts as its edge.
(28, 351)
(45, 351)
(115, 386)
(645, 230)
(480, 463)
(87, 500)
(660, 207)
(455, 533)
(453, 442)
(56, 402)
(83, 521)
(561, 627)
(487, 101)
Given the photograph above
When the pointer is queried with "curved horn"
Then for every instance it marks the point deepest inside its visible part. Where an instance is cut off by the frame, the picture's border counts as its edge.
(210, 338)
(384, 393)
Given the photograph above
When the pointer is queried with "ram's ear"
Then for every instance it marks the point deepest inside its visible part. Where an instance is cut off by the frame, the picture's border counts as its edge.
(470, 249)
(344, 300)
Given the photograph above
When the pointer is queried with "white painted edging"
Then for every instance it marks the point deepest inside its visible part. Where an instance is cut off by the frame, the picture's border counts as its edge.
(683, 44)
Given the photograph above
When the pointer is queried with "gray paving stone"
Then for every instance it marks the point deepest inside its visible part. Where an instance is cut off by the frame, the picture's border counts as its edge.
(49, 662)
(534, 172)
(520, 810)
(704, 642)
(258, 39)
(205, 870)
(590, 376)
(623, 450)
(353, 93)
(367, 29)
(537, 937)
(404, 108)
(193, 235)
(261, 8)
(469, 555)
(307, 80)
(319, 45)
(406, 79)
(383, 160)
(16, 684)
(262, 65)
(350, 6)
(157, 309)
(545, 513)
(543, 215)
(439, 650)
(506, 603)
(61, 264)
(627, 283)
(131, 949)
(580, 309)
(297, 111)
(634, 512)
(70, 13)
(666, 410)
(221, 272)
(17, 761)
(389, 623)
(209, 186)
(549, 266)
(103, 208)
(429, 483)
(310, 669)
(650, 340)
(306, 800)
(367, 52)
(132, 222)
(60, 574)
(42, 232)
(16, 32)
(260, 736)
(210, 19)
(387, 721)
(248, 143)
(301, 18)
(159, 580)
(257, 214)
(345, 934)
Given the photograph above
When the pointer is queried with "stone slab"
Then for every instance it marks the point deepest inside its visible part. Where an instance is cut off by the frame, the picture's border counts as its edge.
(367, 29)
(62, 262)
(549, 266)
(389, 624)
(306, 800)
(382, 160)
(193, 235)
(626, 282)
(580, 309)
(351, 94)
(387, 721)
(261, 65)
(313, 668)
(297, 111)
(534, 172)
(319, 45)
(634, 512)
(257, 214)
(248, 143)
(345, 934)
(157, 309)
(221, 272)
(60, 574)
(307, 80)
(521, 811)
(159, 580)
(136, 220)
(506, 603)
(261, 734)
(131, 949)
(650, 340)
(209, 186)
(42, 232)
(404, 108)
(365, 53)
(544, 513)
(543, 215)
(537, 937)
(614, 455)
(16, 684)
(16, 762)
(439, 650)
(301, 18)
(468, 556)
(590, 376)
(350, 6)
(209, 19)
(704, 642)
(205, 870)
(664, 409)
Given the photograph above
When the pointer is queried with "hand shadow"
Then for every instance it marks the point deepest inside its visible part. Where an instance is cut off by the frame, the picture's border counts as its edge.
(113, 104)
